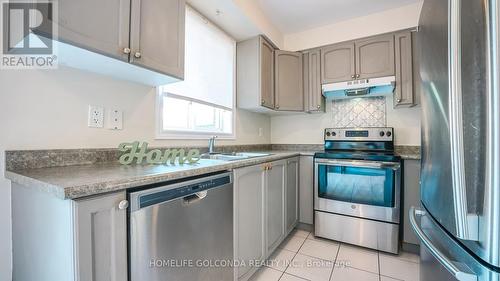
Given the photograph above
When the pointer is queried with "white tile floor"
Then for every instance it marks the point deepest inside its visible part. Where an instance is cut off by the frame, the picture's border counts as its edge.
(303, 257)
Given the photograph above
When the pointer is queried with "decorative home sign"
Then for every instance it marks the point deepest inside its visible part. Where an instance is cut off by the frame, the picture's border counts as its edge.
(136, 152)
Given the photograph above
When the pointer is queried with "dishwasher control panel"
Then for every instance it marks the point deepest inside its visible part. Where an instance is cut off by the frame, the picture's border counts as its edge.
(180, 190)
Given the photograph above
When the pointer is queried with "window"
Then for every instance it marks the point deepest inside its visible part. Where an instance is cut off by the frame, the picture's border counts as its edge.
(202, 104)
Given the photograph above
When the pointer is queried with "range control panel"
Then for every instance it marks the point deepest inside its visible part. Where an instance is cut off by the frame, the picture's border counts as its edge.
(359, 134)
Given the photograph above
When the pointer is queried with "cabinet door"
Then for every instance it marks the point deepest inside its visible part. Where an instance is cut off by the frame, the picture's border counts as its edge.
(411, 197)
(266, 74)
(101, 238)
(403, 95)
(101, 27)
(306, 190)
(337, 63)
(375, 57)
(314, 98)
(249, 218)
(157, 35)
(275, 209)
(289, 95)
(292, 193)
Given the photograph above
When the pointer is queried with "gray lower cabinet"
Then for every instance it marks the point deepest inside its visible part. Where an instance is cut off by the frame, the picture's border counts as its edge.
(289, 95)
(265, 210)
(255, 74)
(306, 190)
(338, 63)
(411, 197)
(313, 98)
(101, 238)
(103, 30)
(375, 57)
(275, 205)
(157, 35)
(249, 188)
(403, 94)
(291, 193)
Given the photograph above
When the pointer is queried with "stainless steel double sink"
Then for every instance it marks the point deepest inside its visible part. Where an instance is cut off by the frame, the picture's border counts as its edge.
(233, 156)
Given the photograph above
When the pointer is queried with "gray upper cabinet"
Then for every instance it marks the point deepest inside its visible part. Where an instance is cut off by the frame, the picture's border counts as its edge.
(255, 74)
(292, 193)
(249, 218)
(103, 30)
(375, 57)
(275, 209)
(157, 35)
(337, 63)
(289, 95)
(266, 61)
(403, 95)
(101, 238)
(313, 98)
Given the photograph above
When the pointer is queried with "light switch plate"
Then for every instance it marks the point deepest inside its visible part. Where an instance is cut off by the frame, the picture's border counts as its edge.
(96, 116)
(115, 119)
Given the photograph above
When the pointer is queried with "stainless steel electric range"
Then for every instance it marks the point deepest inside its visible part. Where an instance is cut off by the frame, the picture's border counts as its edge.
(357, 188)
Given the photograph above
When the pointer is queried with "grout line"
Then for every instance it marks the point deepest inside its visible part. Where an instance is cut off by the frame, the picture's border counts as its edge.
(288, 265)
(378, 261)
(335, 261)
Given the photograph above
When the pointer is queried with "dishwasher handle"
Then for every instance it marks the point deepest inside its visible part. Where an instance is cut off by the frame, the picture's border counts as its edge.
(193, 198)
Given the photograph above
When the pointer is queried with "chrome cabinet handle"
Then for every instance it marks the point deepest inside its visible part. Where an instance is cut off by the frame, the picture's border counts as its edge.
(357, 75)
(319, 106)
(466, 224)
(126, 50)
(277, 107)
(263, 102)
(137, 55)
(353, 76)
(463, 273)
(123, 205)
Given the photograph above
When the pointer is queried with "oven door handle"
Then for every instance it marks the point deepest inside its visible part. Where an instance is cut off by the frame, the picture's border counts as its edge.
(367, 164)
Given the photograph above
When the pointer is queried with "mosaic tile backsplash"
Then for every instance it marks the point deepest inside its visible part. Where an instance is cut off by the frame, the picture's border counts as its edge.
(359, 112)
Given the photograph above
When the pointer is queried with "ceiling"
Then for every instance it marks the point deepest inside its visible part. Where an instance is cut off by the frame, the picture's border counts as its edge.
(291, 16)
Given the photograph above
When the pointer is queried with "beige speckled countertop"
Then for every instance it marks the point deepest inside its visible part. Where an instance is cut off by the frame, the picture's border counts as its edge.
(76, 181)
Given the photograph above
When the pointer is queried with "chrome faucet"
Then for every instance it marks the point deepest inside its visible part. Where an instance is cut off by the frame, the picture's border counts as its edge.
(211, 144)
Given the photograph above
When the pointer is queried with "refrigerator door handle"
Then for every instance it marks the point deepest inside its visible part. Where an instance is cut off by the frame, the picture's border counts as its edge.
(466, 224)
(459, 270)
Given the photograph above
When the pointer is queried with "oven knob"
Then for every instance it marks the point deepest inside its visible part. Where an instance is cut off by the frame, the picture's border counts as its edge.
(334, 134)
(382, 133)
(388, 133)
(328, 134)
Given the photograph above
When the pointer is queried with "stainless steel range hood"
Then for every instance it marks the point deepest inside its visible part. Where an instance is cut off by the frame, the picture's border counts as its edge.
(360, 88)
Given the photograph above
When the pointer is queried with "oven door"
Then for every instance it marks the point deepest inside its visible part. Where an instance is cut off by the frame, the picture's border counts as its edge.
(364, 189)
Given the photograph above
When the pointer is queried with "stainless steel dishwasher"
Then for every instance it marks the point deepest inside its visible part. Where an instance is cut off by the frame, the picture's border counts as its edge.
(183, 231)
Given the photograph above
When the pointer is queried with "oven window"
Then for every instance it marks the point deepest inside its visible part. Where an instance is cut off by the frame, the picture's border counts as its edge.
(370, 186)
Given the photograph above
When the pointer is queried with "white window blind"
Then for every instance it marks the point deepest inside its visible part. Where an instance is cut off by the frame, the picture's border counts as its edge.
(202, 104)
(209, 63)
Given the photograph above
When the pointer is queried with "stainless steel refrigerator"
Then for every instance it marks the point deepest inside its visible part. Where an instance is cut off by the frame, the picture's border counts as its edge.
(458, 222)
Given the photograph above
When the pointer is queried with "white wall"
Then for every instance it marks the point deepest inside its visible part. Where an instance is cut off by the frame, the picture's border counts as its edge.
(308, 128)
(386, 21)
(48, 109)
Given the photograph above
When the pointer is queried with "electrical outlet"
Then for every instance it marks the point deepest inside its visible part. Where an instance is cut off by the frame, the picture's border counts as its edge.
(261, 132)
(115, 119)
(96, 116)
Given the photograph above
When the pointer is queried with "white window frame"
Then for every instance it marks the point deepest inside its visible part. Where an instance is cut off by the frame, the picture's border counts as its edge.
(186, 135)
